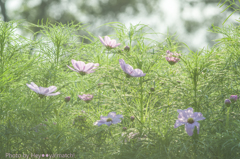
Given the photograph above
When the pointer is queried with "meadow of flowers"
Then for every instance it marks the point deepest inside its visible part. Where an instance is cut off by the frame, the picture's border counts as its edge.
(118, 96)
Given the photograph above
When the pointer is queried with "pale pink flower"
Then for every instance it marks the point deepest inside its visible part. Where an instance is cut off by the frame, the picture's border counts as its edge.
(83, 68)
(128, 69)
(42, 91)
(172, 58)
(86, 97)
(112, 118)
(190, 119)
(108, 42)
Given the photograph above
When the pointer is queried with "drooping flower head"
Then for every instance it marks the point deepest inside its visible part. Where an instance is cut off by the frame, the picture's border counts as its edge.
(172, 58)
(112, 118)
(190, 119)
(108, 42)
(233, 98)
(83, 68)
(128, 69)
(42, 91)
(86, 97)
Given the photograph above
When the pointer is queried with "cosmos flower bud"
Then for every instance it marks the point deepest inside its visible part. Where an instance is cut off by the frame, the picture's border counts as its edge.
(227, 102)
(152, 89)
(127, 48)
(100, 84)
(132, 118)
(67, 99)
(233, 98)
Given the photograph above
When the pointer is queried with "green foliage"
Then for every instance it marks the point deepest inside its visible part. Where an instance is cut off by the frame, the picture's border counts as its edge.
(201, 80)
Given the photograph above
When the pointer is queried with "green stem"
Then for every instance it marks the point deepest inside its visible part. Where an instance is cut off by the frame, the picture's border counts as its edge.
(141, 85)
(98, 99)
(107, 60)
(227, 122)
(169, 73)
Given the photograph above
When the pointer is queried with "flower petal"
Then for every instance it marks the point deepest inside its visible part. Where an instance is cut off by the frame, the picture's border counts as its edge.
(116, 120)
(190, 127)
(198, 116)
(111, 115)
(119, 116)
(113, 43)
(72, 69)
(80, 65)
(53, 94)
(107, 40)
(99, 122)
(43, 90)
(35, 89)
(117, 44)
(88, 67)
(102, 41)
(138, 73)
(179, 123)
(108, 123)
(52, 89)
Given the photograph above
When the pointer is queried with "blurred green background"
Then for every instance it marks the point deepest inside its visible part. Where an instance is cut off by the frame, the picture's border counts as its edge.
(189, 19)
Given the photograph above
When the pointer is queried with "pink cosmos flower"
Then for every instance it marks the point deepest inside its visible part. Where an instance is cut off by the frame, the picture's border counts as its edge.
(43, 91)
(190, 119)
(86, 97)
(108, 42)
(112, 118)
(171, 57)
(130, 71)
(83, 68)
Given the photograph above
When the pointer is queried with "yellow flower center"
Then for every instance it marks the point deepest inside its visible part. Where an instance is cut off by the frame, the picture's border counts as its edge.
(190, 120)
(109, 119)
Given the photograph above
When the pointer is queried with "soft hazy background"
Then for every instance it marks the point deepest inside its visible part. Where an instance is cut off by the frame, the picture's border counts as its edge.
(190, 19)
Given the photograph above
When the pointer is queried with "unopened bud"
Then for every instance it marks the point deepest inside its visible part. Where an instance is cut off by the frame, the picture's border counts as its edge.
(233, 98)
(100, 84)
(67, 99)
(227, 102)
(132, 118)
(152, 89)
(127, 48)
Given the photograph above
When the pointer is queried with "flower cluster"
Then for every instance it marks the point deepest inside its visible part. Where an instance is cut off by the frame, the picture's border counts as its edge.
(186, 117)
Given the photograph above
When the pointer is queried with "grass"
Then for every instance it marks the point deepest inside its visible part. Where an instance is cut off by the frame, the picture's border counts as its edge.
(201, 80)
